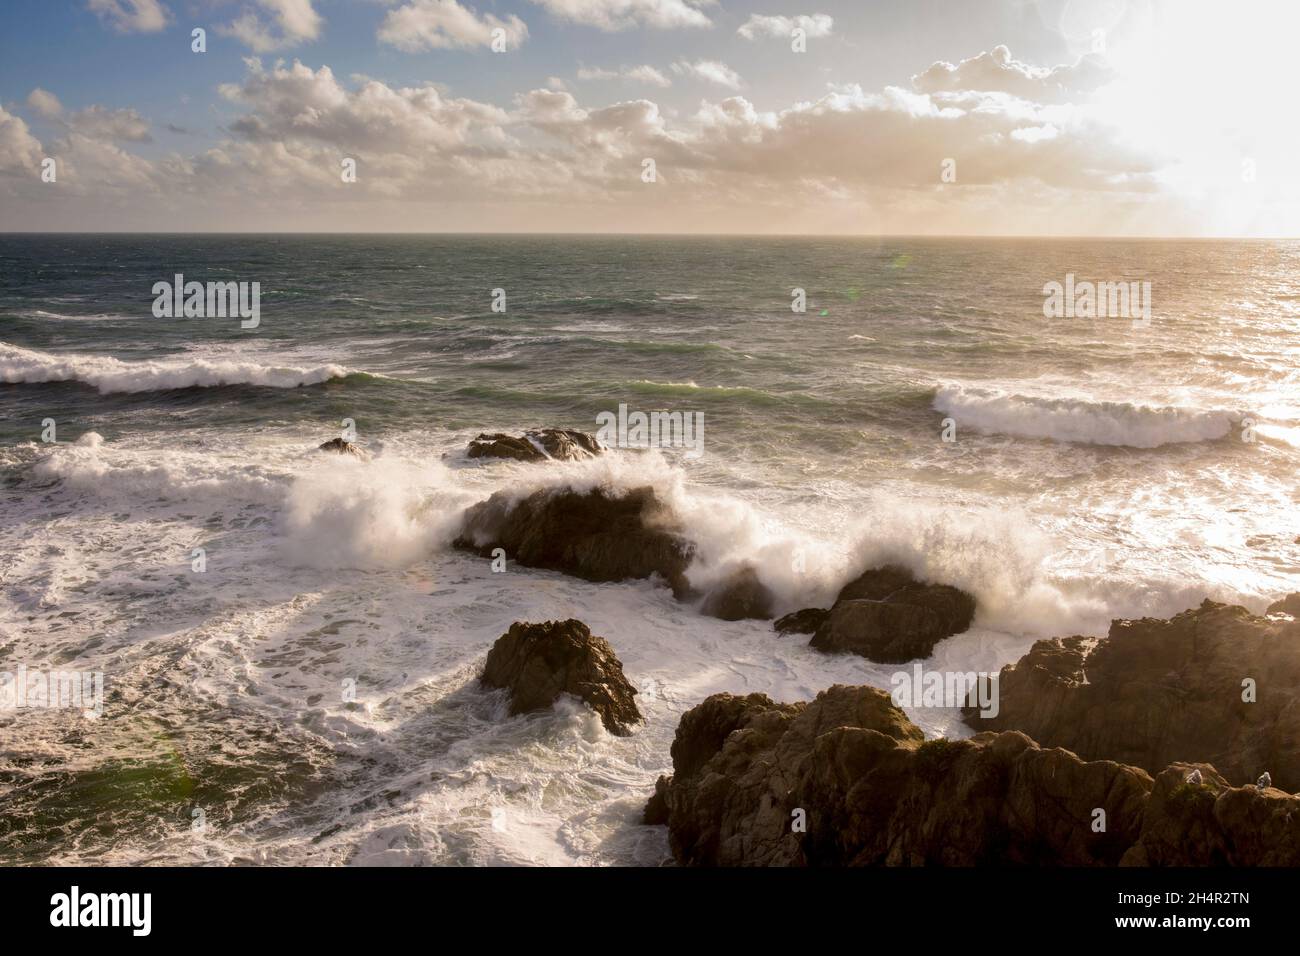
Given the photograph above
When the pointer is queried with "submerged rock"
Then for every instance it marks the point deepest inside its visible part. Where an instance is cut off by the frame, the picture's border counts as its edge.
(1214, 684)
(597, 535)
(847, 780)
(539, 662)
(543, 444)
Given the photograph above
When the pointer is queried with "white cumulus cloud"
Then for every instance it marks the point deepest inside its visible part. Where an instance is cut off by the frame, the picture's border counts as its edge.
(613, 15)
(710, 71)
(446, 24)
(275, 24)
(131, 16)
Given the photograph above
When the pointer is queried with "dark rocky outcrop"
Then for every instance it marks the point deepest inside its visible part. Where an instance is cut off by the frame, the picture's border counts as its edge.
(1215, 824)
(886, 615)
(542, 444)
(606, 535)
(1288, 605)
(338, 446)
(872, 792)
(539, 662)
(802, 622)
(597, 535)
(740, 596)
(1155, 692)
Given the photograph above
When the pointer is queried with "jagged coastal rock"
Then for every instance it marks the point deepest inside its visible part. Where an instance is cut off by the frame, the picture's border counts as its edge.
(539, 662)
(847, 780)
(886, 615)
(1215, 684)
(540, 444)
(596, 535)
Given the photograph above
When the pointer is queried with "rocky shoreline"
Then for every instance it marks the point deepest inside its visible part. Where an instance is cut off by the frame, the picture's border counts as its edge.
(1153, 746)
(1165, 743)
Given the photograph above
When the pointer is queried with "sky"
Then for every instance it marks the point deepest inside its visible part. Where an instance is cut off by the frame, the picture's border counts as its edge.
(820, 117)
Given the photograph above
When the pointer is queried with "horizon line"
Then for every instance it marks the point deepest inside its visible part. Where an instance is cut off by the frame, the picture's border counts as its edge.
(648, 235)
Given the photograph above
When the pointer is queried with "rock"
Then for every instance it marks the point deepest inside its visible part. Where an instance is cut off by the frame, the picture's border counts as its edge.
(802, 622)
(538, 662)
(504, 446)
(873, 793)
(1215, 824)
(876, 584)
(1288, 605)
(340, 447)
(869, 791)
(597, 535)
(739, 597)
(1156, 692)
(954, 608)
(886, 615)
(887, 633)
(544, 444)
(566, 444)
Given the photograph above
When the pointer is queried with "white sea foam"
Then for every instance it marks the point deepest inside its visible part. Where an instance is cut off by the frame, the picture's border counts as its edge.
(1079, 419)
(86, 317)
(119, 472)
(387, 513)
(19, 365)
(280, 619)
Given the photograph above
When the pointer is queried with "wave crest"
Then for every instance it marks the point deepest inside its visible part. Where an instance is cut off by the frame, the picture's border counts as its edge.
(1081, 420)
(109, 375)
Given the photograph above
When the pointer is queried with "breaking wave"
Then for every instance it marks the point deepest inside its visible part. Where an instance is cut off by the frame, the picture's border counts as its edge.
(109, 375)
(1081, 420)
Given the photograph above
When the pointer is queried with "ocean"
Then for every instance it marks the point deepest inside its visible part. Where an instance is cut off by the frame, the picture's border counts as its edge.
(1095, 469)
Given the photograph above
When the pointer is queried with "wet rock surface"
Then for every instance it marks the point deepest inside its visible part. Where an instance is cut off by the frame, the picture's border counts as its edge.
(539, 662)
(541, 444)
(847, 780)
(1215, 684)
(597, 535)
(886, 615)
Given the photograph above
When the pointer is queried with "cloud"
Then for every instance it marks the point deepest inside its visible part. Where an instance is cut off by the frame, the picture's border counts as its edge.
(548, 155)
(897, 139)
(95, 122)
(286, 23)
(88, 163)
(131, 16)
(20, 151)
(996, 71)
(711, 71)
(445, 24)
(637, 74)
(814, 26)
(298, 104)
(44, 103)
(98, 122)
(611, 15)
